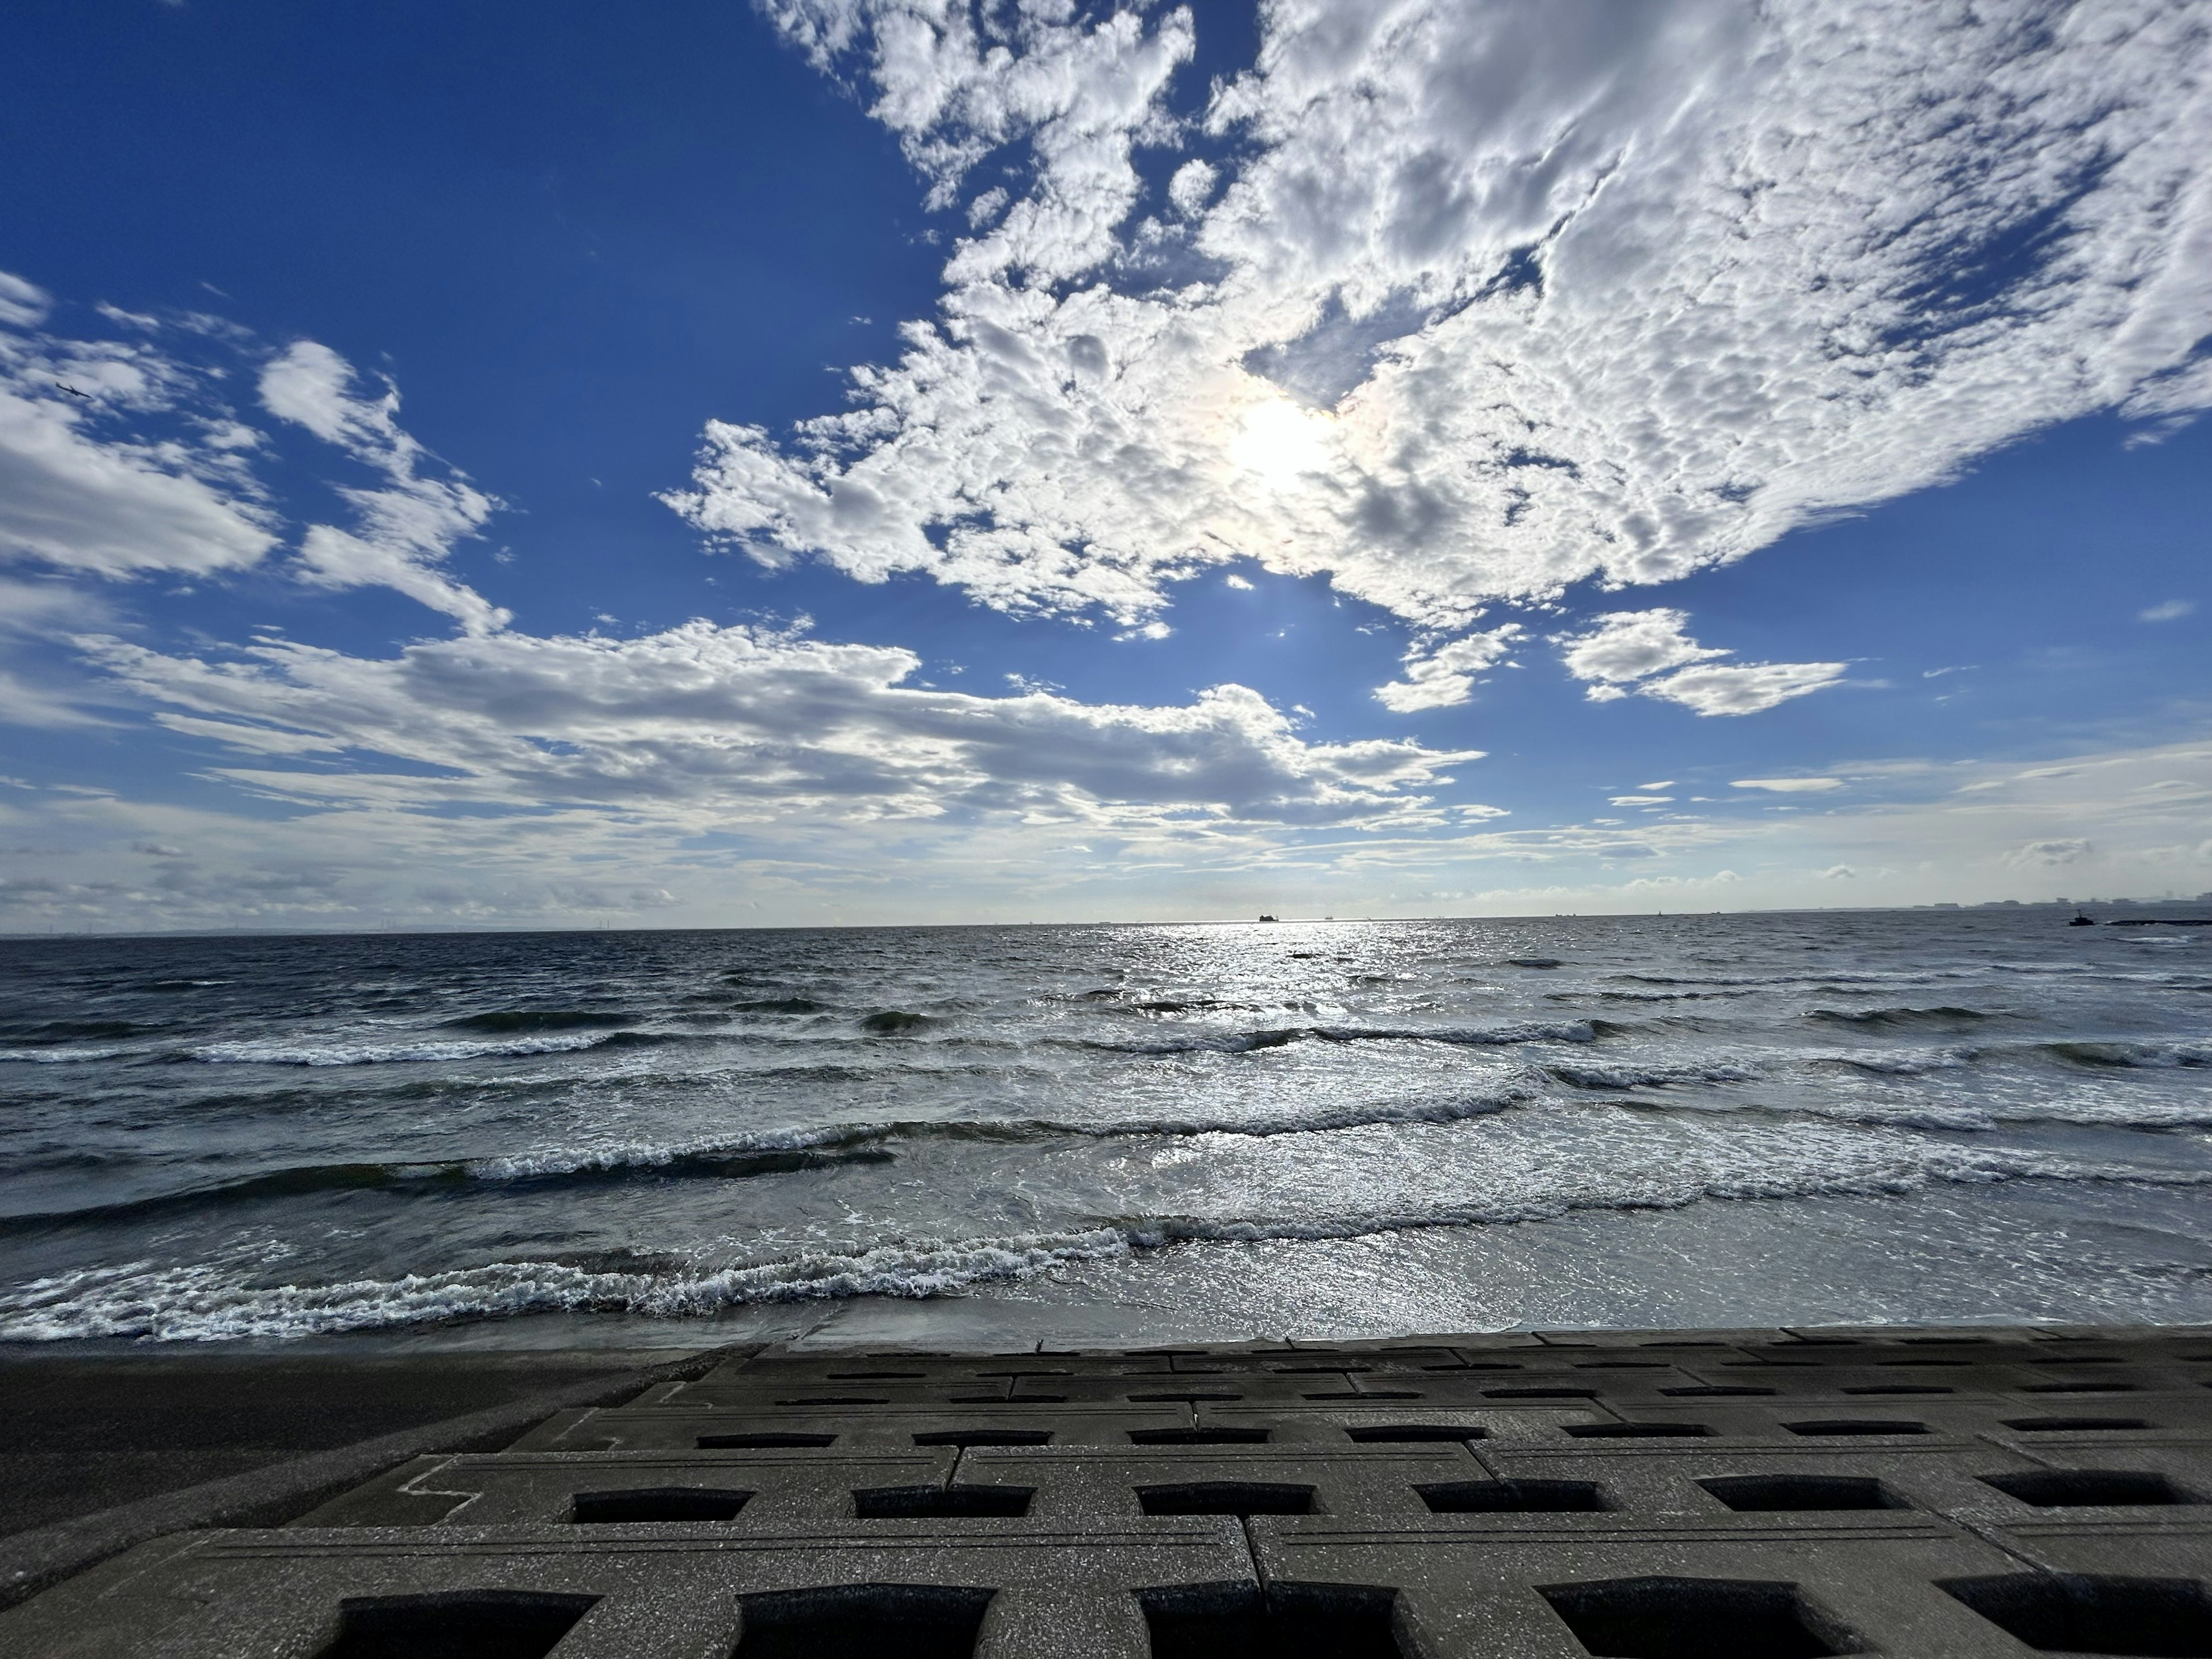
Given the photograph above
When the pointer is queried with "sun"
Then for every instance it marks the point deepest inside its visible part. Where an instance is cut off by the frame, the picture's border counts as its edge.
(1281, 442)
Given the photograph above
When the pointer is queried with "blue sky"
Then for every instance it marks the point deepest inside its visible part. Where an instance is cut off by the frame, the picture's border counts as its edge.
(872, 461)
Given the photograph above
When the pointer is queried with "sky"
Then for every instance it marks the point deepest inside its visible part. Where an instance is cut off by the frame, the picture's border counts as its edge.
(905, 461)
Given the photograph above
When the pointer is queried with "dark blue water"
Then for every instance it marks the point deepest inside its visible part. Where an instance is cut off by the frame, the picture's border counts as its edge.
(1203, 1129)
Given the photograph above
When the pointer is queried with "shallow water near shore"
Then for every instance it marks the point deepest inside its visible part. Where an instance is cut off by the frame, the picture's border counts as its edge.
(1111, 1134)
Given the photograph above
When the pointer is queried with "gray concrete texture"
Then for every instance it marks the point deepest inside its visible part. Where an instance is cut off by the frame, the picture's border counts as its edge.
(1738, 1495)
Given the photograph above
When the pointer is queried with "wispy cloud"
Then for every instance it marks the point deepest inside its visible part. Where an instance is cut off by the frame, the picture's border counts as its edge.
(706, 726)
(408, 526)
(1790, 785)
(2167, 610)
(115, 459)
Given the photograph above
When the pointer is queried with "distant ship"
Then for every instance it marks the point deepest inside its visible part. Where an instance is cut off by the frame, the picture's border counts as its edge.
(1267, 918)
(2081, 920)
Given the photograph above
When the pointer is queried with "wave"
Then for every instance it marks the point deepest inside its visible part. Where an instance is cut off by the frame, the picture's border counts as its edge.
(773, 1152)
(569, 1169)
(1578, 1075)
(889, 1021)
(539, 1019)
(56, 1056)
(1027, 1131)
(1241, 1043)
(1943, 1018)
(74, 1030)
(1903, 1062)
(214, 1302)
(2158, 1056)
(276, 1051)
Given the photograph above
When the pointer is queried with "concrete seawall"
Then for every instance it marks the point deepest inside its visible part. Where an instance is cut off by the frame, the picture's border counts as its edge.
(1748, 1493)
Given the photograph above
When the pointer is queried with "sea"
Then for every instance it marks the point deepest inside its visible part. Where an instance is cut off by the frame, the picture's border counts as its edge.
(1099, 1135)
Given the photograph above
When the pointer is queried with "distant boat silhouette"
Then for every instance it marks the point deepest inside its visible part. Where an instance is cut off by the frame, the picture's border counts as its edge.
(1267, 918)
(2081, 920)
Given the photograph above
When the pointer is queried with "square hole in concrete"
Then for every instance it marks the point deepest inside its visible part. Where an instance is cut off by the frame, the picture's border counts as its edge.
(1391, 1434)
(2054, 1488)
(1636, 1430)
(930, 1503)
(1367, 1394)
(762, 1441)
(1227, 1498)
(1198, 1436)
(1903, 1388)
(2082, 1613)
(656, 1503)
(966, 1437)
(1540, 1394)
(1318, 1621)
(1855, 1426)
(1803, 1492)
(1185, 1398)
(464, 1625)
(2074, 1425)
(1694, 1619)
(1512, 1497)
(2081, 1386)
(863, 1621)
(1715, 1391)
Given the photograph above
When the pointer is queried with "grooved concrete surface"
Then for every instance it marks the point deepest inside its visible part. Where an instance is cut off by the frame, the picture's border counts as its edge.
(1751, 1495)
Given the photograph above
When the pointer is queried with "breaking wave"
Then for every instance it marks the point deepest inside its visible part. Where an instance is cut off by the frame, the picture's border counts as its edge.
(218, 1301)
(277, 1052)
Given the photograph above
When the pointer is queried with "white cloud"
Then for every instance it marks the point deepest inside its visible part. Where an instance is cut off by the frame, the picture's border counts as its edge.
(2169, 611)
(22, 304)
(1789, 786)
(1641, 801)
(1629, 645)
(1192, 185)
(2066, 849)
(1648, 651)
(408, 527)
(1586, 292)
(104, 467)
(712, 725)
(956, 82)
(1749, 688)
(1444, 675)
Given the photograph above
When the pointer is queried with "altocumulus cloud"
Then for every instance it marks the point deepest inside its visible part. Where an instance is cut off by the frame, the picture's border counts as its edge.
(1473, 303)
(703, 726)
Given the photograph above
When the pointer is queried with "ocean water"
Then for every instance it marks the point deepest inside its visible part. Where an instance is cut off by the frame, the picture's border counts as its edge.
(1106, 1132)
